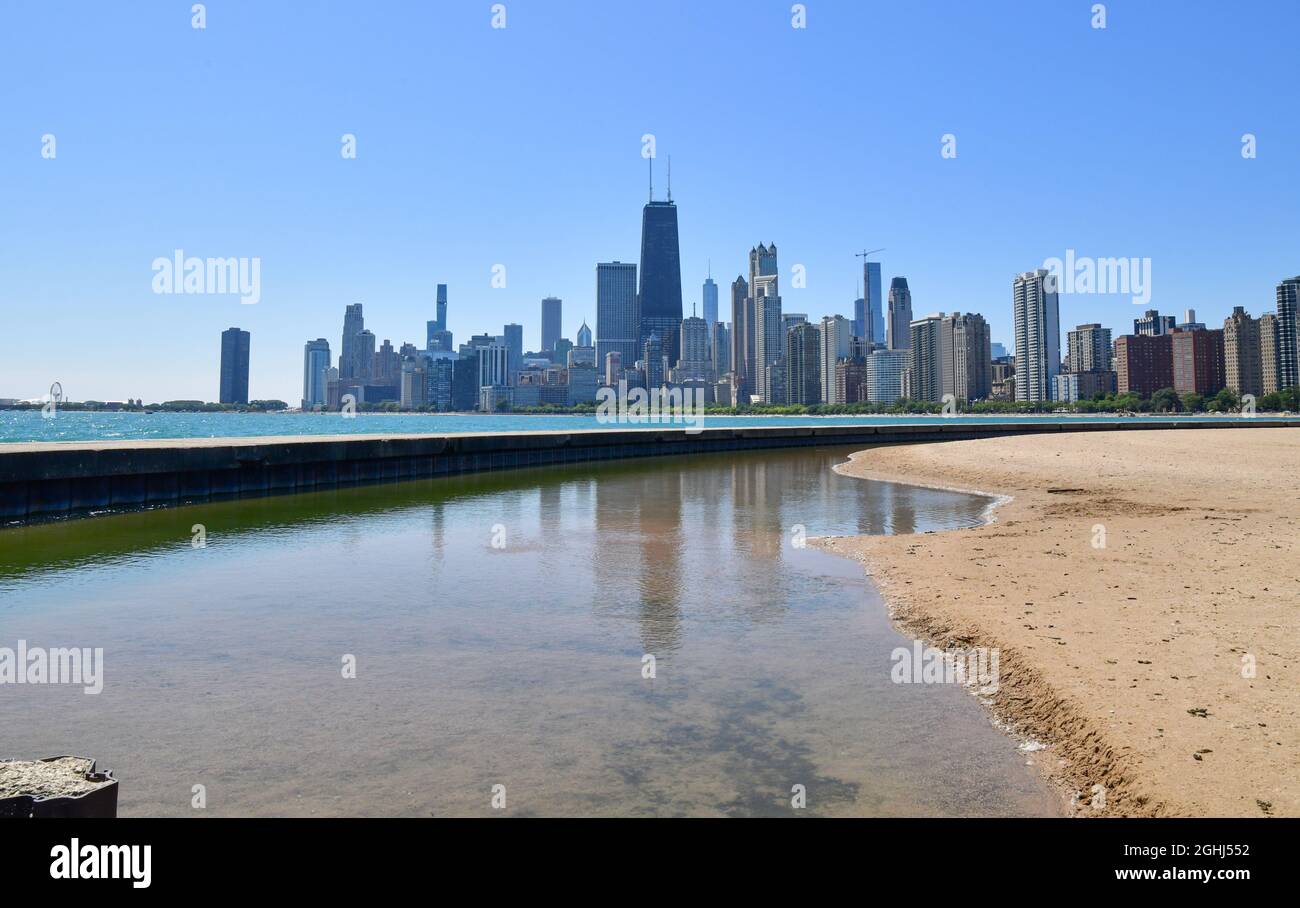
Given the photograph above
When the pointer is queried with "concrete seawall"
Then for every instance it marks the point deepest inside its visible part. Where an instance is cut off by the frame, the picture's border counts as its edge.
(39, 480)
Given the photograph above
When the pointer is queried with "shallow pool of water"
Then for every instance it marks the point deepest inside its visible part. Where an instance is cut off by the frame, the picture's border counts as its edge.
(500, 626)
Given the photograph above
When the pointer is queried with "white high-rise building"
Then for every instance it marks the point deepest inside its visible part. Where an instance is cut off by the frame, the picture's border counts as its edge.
(836, 344)
(1036, 307)
(885, 370)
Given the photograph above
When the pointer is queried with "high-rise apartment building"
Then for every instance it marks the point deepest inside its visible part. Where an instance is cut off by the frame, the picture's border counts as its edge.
(803, 365)
(769, 331)
(1036, 310)
(897, 328)
(745, 379)
(721, 349)
(552, 322)
(1144, 363)
(1268, 353)
(1089, 348)
(234, 366)
(769, 334)
(874, 304)
(836, 336)
(354, 362)
(965, 359)
(315, 365)
(1243, 364)
(694, 363)
(851, 381)
(618, 322)
(1288, 333)
(1198, 361)
(655, 362)
(927, 358)
(885, 370)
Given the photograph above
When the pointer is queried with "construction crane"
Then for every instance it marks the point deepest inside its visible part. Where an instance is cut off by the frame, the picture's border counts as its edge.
(863, 255)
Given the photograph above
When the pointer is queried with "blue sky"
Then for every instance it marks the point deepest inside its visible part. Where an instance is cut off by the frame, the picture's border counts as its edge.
(522, 146)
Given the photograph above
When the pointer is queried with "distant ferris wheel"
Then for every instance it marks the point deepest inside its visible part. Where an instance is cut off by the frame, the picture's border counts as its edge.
(56, 392)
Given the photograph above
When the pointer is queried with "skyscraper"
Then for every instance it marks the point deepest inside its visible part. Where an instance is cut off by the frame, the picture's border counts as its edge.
(552, 329)
(965, 358)
(861, 324)
(885, 370)
(1243, 364)
(1268, 352)
(1089, 348)
(927, 358)
(438, 324)
(835, 338)
(897, 330)
(617, 318)
(653, 356)
(584, 335)
(315, 363)
(1036, 311)
(513, 336)
(1144, 363)
(1288, 337)
(803, 367)
(769, 331)
(873, 306)
(742, 339)
(353, 366)
(721, 350)
(234, 366)
(710, 303)
(693, 364)
(1198, 361)
(660, 296)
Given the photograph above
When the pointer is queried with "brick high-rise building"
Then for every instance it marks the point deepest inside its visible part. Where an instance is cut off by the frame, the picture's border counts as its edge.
(1198, 361)
(1144, 363)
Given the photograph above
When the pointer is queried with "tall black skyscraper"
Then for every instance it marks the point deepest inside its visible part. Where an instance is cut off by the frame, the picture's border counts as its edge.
(661, 276)
(234, 366)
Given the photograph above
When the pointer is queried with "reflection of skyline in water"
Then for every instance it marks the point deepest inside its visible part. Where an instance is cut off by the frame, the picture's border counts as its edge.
(521, 664)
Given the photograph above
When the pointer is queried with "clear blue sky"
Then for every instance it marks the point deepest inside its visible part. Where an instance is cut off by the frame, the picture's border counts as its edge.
(522, 146)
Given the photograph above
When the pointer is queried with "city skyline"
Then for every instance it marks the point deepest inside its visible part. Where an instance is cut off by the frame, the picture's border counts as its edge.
(387, 226)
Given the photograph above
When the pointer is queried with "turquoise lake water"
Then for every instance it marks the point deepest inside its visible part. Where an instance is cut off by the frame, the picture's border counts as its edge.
(28, 425)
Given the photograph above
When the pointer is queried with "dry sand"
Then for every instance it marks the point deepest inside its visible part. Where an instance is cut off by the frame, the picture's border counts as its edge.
(1127, 660)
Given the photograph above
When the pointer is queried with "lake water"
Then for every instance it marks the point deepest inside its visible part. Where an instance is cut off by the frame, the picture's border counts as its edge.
(28, 425)
(519, 665)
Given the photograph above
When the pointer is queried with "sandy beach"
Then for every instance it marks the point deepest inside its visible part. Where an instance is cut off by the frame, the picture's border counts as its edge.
(1143, 589)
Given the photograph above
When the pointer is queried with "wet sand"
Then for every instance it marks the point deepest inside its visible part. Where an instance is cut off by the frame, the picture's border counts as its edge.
(1143, 589)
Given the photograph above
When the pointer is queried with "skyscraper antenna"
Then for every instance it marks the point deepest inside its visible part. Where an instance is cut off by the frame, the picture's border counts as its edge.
(710, 269)
(651, 161)
(670, 178)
